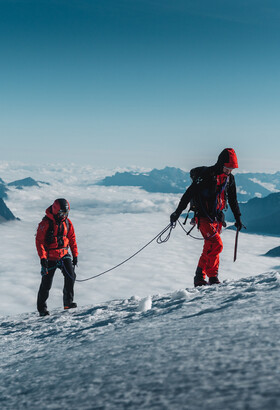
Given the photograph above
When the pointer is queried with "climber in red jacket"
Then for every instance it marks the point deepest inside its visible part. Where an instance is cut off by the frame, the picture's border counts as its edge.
(208, 194)
(55, 234)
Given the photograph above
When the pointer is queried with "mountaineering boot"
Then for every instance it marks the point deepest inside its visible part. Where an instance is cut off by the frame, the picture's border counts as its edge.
(199, 278)
(44, 312)
(213, 280)
(71, 306)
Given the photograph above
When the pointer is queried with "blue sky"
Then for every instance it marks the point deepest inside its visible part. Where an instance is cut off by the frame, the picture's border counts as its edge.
(147, 83)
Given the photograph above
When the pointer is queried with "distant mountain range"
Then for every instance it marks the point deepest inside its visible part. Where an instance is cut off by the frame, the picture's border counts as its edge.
(175, 180)
(260, 215)
(5, 213)
(19, 184)
(167, 180)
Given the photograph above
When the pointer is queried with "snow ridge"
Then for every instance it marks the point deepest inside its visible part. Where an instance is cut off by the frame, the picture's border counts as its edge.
(217, 350)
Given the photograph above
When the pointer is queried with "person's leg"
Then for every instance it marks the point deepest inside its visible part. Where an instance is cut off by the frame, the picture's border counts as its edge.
(212, 266)
(69, 280)
(199, 278)
(46, 284)
(209, 261)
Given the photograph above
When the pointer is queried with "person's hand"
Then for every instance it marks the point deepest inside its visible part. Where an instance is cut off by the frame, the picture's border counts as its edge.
(174, 217)
(44, 266)
(75, 261)
(238, 223)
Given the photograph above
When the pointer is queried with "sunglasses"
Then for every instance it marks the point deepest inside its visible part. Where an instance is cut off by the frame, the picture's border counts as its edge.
(63, 213)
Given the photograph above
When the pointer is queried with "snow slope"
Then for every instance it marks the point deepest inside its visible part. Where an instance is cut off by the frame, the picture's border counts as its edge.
(213, 348)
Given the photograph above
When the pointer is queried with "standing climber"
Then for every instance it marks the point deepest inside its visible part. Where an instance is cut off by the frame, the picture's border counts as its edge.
(208, 194)
(55, 234)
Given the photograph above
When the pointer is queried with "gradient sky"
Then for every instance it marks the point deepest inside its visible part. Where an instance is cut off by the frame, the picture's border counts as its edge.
(140, 82)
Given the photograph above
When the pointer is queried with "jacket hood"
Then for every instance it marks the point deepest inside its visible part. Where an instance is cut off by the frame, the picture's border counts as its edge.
(227, 158)
(49, 213)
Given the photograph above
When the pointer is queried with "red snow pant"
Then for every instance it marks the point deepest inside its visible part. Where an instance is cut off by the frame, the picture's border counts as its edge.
(213, 246)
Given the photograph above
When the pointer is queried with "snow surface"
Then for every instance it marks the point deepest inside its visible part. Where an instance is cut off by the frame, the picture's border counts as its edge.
(213, 348)
(142, 336)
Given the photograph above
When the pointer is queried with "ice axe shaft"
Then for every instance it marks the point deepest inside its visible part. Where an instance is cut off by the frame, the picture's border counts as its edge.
(235, 245)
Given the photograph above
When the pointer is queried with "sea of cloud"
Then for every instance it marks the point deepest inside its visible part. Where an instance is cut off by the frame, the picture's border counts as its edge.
(111, 224)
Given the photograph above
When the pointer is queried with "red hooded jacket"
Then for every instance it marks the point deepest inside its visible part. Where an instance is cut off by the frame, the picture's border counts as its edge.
(63, 237)
(210, 191)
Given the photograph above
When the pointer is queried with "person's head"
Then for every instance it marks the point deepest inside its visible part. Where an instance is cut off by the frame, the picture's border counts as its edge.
(227, 170)
(227, 161)
(60, 209)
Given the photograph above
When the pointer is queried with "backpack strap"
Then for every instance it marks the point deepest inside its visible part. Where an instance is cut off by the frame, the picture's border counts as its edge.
(60, 235)
(49, 238)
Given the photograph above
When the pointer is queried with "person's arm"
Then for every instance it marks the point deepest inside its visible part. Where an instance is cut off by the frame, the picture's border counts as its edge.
(72, 240)
(183, 203)
(40, 239)
(233, 203)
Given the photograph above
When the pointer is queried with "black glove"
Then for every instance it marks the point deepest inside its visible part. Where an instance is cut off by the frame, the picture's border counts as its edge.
(238, 223)
(44, 266)
(174, 217)
(75, 261)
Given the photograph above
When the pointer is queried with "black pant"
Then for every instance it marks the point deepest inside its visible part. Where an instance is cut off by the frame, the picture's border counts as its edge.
(66, 267)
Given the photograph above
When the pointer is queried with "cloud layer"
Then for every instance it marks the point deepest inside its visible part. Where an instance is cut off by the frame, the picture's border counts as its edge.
(111, 224)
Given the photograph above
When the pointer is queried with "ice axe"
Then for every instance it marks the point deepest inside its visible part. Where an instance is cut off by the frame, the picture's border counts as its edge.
(236, 243)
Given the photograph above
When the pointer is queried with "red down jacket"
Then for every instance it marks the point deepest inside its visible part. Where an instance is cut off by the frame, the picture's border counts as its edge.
(63, 237)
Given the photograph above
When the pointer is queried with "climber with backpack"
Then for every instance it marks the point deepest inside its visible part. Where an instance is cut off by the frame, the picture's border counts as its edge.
(55, 234)
(212, 187)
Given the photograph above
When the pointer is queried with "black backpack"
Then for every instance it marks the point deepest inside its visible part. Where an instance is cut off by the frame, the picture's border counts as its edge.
(196, 174)
(198, 178)
(202, 181)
